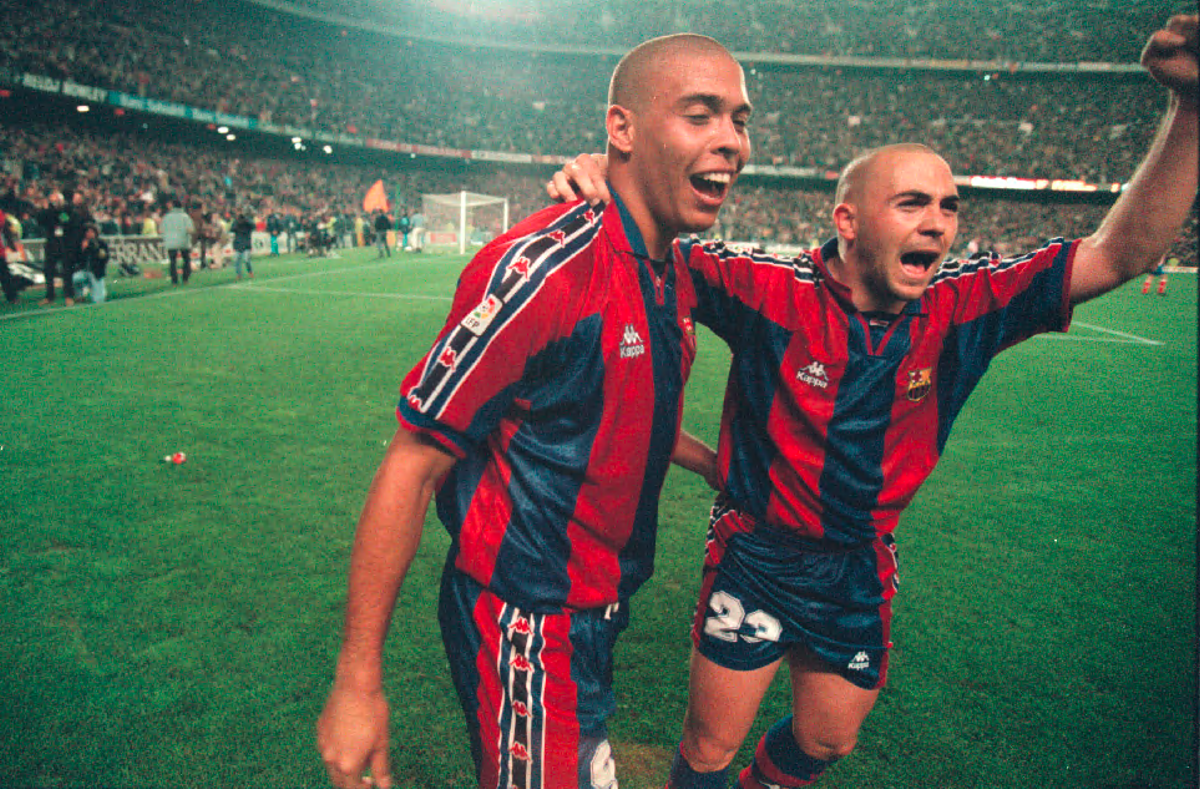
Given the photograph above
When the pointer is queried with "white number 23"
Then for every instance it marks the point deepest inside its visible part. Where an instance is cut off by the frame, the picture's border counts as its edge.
(731, 615)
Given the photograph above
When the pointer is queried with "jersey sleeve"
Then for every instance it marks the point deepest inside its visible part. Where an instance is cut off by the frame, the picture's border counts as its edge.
(730, 284)
(1010, 299)
(504, 312)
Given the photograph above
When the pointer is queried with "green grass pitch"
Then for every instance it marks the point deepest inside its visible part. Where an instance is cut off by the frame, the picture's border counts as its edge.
(177, 625)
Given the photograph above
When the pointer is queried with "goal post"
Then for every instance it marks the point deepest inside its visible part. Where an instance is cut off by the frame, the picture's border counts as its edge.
(462, 218)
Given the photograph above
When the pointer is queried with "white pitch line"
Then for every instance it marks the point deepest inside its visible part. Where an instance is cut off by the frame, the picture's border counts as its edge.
(323, 272)
(1119, 333)
(184, 291)
(1077, 338)
(357, 294)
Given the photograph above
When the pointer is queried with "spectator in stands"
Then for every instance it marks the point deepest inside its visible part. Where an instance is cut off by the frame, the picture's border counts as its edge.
(178, 231)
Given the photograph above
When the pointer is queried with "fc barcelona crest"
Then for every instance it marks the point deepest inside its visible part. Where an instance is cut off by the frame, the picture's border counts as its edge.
(919, 384)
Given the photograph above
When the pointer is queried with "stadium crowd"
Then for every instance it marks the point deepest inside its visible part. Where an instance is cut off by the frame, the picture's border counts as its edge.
(936, 29)
(244, 60)
(240, 58)
(127, 183)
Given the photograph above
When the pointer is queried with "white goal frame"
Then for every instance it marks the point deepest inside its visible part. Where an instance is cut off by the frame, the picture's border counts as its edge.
(463, 201)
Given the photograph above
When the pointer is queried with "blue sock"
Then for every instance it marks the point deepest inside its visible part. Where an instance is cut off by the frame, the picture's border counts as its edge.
(684, 777)
(778, 760)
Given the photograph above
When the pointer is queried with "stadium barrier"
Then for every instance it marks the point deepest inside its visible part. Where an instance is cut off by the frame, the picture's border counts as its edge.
(138, 250)
(141, 250)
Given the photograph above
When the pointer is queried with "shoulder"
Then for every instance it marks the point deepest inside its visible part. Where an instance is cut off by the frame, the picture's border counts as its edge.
(553, 249)
(984, 263)
(698, 254)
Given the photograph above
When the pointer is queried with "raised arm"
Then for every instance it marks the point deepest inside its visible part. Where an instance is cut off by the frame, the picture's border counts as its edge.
(1139, 228)
(352, 732)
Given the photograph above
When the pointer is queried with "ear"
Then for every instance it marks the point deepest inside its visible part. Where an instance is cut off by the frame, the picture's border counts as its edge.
(845, 221)
(619, 123)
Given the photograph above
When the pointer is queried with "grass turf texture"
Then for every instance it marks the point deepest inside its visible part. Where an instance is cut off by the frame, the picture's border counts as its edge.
(177, 625)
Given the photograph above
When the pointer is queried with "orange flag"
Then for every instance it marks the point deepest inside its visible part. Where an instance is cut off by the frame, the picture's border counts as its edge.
(376, 199)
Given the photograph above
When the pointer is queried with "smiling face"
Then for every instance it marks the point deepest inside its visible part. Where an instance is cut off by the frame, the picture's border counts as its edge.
(897, 217)
(677, 138)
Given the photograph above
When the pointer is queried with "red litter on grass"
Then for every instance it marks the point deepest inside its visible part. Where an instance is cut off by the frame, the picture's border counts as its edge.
(178, 458)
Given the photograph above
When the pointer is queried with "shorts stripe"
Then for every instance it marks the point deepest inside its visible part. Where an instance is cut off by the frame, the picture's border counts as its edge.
(536, 688)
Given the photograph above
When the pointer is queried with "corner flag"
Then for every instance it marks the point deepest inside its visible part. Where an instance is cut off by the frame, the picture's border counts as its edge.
(376, 199)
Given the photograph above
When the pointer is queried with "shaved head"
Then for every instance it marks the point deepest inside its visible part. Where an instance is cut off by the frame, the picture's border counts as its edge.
(634, 80)
(856, 174)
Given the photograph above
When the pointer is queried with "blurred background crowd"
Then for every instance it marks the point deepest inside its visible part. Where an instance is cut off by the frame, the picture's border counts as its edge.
(532, 79)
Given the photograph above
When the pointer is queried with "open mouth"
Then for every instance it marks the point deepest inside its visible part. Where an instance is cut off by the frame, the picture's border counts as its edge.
(713, 185)
(918, 263)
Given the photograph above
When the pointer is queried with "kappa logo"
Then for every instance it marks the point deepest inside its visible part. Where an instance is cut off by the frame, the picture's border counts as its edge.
(631, 344)
(589, 216)
(919, 383)
(558, 236)
(521, 663)
(521, 265)
(448, 358)
(520, 625)
(478, 320)
(814, 375)
(416, 402)
(521, 709)
(861, 662)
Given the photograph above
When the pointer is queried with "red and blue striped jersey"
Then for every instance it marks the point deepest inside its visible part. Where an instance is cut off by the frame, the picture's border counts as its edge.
(834, 418)
(558, 383)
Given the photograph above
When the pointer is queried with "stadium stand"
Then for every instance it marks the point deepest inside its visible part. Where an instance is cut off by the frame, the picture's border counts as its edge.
(393, 83)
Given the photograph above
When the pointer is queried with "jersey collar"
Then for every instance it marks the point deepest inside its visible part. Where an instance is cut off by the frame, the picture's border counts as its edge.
(624, 232)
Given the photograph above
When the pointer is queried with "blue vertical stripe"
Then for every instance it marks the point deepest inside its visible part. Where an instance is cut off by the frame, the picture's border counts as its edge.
(852, 477)
(666, 351)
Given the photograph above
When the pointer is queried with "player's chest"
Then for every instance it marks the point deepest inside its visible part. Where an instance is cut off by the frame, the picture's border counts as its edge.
(852, 359)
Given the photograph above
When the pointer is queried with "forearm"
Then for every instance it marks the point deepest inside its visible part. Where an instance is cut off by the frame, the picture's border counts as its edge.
(1148, 215)
(694, 455)
(387, 538)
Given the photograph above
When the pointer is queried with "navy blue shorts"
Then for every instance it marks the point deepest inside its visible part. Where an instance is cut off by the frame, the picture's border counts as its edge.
(765, 590)
(536, 688)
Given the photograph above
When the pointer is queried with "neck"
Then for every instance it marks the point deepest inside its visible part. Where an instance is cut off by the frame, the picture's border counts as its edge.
(845, 271)
(656, 238)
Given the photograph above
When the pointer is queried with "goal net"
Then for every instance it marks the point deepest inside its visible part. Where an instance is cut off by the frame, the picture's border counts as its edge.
(463, 219)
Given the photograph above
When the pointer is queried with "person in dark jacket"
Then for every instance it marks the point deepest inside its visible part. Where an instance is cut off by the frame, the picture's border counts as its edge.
(243, 228)
(53, 220)
(382, 226)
